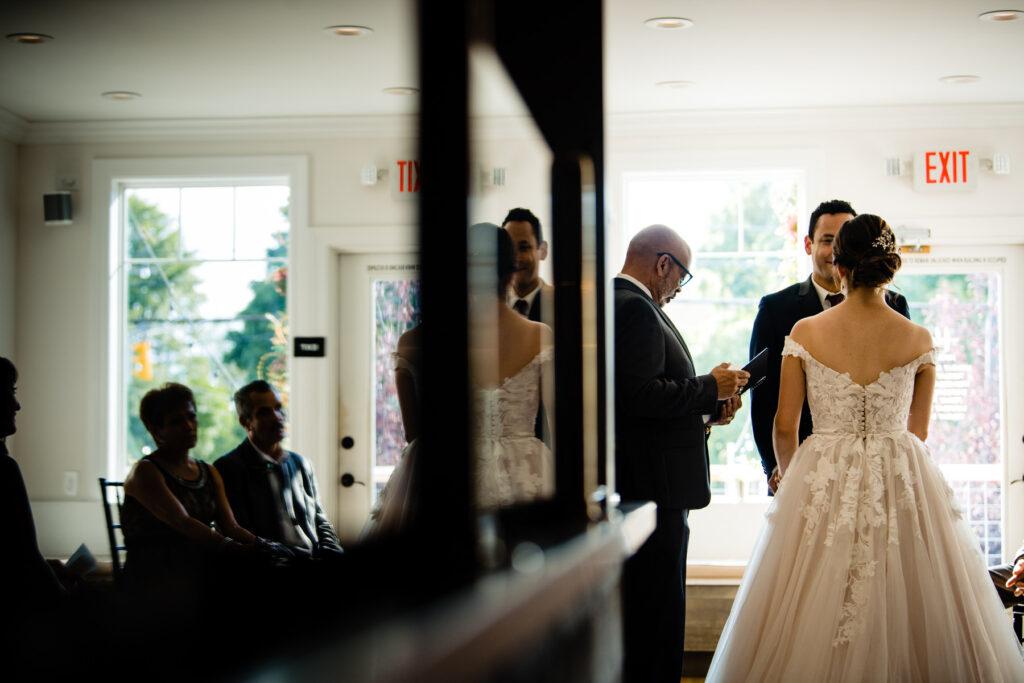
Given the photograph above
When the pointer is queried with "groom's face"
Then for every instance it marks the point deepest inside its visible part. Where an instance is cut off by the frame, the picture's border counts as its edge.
(820, 248)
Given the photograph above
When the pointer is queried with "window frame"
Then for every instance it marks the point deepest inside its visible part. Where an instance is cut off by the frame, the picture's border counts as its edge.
(112, 177)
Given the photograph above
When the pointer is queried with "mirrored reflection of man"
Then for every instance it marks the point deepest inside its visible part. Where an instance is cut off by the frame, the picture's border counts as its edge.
(778, 312)
(661, 450)
(529, 294)
(273, 492)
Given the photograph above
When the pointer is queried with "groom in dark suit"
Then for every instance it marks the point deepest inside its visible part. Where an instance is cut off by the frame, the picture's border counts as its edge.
(778, 312)
(660, 445)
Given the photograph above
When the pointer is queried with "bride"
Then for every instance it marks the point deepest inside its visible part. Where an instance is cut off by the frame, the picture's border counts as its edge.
(510, 359)
(865, 569)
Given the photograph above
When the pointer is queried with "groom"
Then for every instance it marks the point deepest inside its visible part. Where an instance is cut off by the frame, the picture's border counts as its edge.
(778, 312)
(660, 445)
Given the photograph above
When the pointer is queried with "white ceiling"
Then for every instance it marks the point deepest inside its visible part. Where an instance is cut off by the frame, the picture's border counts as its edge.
(269, 58)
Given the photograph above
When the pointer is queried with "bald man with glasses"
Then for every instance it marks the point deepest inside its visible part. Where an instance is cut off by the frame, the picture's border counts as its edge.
(661, 445)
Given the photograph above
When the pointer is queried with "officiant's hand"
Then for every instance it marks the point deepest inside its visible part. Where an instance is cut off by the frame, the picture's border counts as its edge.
(729, 381)
(729, 408)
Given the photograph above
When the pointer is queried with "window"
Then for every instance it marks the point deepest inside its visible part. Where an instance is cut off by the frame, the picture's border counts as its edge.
(744, 231)
(962, 309)
(202, 300)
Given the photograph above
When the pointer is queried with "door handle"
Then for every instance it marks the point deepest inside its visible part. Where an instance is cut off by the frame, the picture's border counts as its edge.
(347, 480)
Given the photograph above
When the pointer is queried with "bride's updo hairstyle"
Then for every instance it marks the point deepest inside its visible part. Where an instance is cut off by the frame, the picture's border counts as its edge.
(491, 256)
(866, 247)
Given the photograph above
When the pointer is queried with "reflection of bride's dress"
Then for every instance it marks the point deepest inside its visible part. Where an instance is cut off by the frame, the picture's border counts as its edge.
(512, 464)
(865, 569)
(394, 505)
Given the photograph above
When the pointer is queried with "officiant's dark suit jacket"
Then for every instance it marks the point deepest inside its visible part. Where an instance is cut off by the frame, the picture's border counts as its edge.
(660, 445)
(660, 455)
(776, 315)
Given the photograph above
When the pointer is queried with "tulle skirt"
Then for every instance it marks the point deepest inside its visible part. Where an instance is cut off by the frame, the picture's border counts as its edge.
(866, 571)
(395, 503)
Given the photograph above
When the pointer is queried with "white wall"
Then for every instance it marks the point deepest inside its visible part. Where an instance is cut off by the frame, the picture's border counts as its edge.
(8, 245)
(58, 342)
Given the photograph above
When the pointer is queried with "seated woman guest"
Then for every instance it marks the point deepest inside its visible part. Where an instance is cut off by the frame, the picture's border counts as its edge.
(172, 501)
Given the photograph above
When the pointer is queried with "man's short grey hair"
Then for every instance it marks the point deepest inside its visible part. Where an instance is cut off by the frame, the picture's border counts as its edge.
(243, 397)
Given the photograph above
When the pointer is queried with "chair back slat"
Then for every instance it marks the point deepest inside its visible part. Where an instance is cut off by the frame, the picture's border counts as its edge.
(113, 526)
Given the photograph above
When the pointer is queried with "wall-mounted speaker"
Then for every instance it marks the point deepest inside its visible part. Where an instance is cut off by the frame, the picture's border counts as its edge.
(57, 208)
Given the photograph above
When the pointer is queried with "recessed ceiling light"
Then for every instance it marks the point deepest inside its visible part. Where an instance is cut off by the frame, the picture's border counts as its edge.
(668, 23)
(121, 95)
(959, 79)
(402, 90)
(29, 38)
(348, 31)
(675, 85)
(1002, 15)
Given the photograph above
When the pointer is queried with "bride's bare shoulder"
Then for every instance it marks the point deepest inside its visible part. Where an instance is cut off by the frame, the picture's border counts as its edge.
(920, 338)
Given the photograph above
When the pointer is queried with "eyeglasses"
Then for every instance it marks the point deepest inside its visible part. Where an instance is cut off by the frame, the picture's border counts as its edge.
(687, 275)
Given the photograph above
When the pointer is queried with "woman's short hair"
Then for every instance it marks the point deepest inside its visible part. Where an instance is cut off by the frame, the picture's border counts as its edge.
(157, 403)
(866, 247)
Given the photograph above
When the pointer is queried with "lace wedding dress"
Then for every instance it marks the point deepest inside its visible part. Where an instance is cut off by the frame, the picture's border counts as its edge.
(865, 569)
(512, 464)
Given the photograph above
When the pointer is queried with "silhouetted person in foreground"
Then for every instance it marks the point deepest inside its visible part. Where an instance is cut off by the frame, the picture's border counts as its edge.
(26, 580)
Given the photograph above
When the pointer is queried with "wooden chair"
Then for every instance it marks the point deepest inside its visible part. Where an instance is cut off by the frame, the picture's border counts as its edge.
(114, 527)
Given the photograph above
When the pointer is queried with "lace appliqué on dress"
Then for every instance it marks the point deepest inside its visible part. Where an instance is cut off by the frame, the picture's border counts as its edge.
(512, 464)
(847, 487)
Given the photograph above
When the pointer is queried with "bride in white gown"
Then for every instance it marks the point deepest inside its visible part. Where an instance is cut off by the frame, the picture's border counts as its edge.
(510, 359)
(865, 569)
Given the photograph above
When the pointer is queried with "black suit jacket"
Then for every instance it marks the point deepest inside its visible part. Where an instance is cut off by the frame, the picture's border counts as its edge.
(541, 429)
(660, 445)
(776, 315)
(255, 507)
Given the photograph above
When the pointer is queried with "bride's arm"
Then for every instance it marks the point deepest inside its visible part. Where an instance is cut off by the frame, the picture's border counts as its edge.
(786, 432)
(921, 404)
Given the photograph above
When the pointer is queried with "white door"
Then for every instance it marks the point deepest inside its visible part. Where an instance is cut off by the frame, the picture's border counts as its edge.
(972, 301)
(379, 300)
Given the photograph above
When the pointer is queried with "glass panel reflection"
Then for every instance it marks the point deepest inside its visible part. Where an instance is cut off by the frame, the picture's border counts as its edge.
(511, 307)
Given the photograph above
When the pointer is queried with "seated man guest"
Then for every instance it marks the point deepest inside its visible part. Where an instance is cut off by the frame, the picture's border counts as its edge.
(273, 491)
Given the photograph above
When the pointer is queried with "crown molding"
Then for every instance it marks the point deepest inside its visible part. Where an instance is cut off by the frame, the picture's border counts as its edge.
(638, 125)
(12, 126)
(804, 119)
(176, 130)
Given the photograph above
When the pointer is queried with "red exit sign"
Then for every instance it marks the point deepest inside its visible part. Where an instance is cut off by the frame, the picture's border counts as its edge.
(405, 179)
(945, 169)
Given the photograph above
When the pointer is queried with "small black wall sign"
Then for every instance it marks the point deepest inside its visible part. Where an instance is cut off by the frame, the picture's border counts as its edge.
(310, 346)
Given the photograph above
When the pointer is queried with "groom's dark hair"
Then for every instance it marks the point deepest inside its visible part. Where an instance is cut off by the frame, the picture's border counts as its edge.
(832, 206)
(525, 215)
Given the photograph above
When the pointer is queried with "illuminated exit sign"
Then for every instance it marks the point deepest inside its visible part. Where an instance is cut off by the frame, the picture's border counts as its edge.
(405, 179)
(945, 169)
